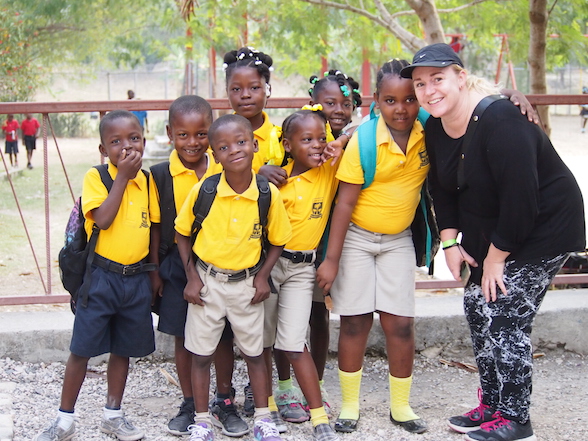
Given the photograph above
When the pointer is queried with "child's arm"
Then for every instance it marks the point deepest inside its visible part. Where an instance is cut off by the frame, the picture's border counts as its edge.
(276, 175)
(519, 99)
(260, 281)
(327, 271)
(154, 243)
(194, 284)
(128, 167)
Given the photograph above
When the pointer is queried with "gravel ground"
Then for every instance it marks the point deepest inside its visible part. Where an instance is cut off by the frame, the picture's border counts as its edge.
(560, 398)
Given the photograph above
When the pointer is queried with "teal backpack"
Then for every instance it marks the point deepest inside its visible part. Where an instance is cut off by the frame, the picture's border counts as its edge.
(425, 233)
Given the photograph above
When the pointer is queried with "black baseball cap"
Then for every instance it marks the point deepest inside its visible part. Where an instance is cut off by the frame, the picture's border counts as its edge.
(434, 55)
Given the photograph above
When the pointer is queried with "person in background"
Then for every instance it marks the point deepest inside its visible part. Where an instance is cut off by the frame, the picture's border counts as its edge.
(140, 114)
(30, 130)
(9, 128)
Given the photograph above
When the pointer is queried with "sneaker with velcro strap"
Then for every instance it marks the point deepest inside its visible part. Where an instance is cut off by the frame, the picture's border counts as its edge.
(324, 432)
(179, 424)
(289, 404)
(224, 415)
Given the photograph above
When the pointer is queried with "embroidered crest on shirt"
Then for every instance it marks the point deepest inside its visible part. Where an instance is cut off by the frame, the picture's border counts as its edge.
(256, 234)
(317, 209)
(144, 223)
(424, 158)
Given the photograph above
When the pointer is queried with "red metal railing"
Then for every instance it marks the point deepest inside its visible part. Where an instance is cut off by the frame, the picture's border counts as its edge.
(219, 104)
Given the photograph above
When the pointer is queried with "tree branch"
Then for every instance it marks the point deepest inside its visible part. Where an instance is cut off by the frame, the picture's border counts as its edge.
(552, 7)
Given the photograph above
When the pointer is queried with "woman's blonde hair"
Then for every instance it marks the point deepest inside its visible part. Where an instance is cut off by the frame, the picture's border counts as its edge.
(478, 84)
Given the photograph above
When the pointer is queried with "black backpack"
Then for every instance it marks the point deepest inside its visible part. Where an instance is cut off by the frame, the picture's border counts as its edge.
(76, 256)
(165, 187)
(206, 196)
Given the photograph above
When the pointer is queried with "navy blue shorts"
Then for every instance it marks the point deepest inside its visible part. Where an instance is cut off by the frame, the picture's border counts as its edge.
(117, 319)
(30, 142)
(173, 308)
(10, 147)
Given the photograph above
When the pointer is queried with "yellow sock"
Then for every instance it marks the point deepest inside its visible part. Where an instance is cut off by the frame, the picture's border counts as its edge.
(271, 403)
(318, 416)
(350, 385)
(399, 396)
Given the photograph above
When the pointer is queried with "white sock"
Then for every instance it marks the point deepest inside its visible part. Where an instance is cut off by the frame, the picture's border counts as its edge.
(112, 413)
(65, 419)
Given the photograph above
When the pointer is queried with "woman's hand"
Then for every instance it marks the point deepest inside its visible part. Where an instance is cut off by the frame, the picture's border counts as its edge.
(492, 277)
(454, 257)
(493, 274)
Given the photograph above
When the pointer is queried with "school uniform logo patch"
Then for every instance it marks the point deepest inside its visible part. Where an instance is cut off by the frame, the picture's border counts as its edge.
(256, 234)
(317, 209)
(144, 223)
(424, 157)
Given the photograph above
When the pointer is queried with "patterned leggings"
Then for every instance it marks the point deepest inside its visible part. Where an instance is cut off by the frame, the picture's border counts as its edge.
(501, 334)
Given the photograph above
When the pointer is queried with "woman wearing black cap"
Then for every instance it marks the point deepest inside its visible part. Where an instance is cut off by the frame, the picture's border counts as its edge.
(519, 211)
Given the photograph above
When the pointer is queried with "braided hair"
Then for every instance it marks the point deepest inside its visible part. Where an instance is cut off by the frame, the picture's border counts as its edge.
(290, 122)
(347, 85)
(248, 57)
(392, 67)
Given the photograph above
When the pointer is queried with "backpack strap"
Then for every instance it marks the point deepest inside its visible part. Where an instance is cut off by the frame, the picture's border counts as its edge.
(469, 135)
(423, 116)
(204, 201)
(167, 207)
(206, 196)
(367, 150)
(108, 182)
(264, 201)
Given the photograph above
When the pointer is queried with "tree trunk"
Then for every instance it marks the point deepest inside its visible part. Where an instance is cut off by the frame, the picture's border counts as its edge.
(429, 17)
(538, 17)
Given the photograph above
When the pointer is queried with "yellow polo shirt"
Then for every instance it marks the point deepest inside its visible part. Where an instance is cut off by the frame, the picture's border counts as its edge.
(126, 241)
(308, 198)
(230, 237)
(268, 141)
(183, 180)
(388, 205)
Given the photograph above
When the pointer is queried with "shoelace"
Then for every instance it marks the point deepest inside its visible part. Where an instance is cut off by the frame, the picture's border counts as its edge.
(197, 430)
(498, 422)
(123, 422)
(267, 428)
(477, 414)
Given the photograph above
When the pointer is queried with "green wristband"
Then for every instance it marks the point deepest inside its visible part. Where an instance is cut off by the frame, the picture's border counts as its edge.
(449, 243)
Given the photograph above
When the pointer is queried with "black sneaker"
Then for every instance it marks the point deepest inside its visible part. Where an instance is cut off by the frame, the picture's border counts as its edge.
(248, 404)
(178, 425)
(473, 419)
(502, 429)
(225, 416)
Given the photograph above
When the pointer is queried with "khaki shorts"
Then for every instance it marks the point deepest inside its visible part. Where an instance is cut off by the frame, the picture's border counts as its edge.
(376, 273)
(288, 312)
(205, 324)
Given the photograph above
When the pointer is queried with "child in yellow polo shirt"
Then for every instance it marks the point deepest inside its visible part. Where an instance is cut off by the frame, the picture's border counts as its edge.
(308, 194)
(370, 260)
(229, 277)
(117, 318)
(190, 162)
